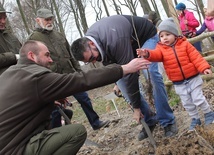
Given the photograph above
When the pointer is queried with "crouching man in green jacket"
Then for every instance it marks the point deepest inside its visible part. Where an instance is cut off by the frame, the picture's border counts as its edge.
(27, 94)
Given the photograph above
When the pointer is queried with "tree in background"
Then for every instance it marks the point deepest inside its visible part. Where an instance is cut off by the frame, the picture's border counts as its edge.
(72, 16)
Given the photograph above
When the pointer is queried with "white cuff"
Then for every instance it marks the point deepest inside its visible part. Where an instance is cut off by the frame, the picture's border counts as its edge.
(17, 56)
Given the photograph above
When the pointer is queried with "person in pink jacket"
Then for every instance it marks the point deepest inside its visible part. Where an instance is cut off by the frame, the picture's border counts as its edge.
(208, 24)
(183, 65)
(188, 23)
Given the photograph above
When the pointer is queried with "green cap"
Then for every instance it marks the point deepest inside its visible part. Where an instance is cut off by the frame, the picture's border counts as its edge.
(44, 13)
(2, 10)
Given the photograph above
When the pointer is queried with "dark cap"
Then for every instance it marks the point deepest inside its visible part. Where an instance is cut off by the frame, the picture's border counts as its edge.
(180, 6)
(2, 10)
(44, 13)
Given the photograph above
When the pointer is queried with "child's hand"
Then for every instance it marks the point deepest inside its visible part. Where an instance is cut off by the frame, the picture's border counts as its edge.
(142, 53)
(207, 71)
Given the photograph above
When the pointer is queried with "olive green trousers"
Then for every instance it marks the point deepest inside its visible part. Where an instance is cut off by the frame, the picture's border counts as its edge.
(65, 140)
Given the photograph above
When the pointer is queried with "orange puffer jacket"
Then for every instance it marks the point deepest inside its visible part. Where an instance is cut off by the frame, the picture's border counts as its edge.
(181, 61)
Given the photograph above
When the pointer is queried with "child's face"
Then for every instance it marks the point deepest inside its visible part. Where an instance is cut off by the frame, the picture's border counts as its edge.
(167, 38)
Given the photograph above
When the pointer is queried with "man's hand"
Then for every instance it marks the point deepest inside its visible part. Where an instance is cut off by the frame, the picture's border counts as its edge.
(135, 65)
(137, 115)
(117, 91)
(63, 102)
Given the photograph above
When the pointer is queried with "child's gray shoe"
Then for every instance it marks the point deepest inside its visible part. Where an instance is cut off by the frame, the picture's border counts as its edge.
(209, 118)
(194, 123)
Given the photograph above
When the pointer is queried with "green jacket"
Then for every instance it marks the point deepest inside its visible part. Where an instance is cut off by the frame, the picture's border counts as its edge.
(64, 62)
(9, 46)
(27, 95)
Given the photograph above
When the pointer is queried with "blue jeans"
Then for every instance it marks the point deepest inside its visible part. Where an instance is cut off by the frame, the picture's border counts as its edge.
(86, 105)
(163, 111)
(197, 45)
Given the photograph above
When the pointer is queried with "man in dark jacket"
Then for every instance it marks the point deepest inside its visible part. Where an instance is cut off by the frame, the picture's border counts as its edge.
(115, 39)
(27, 94)
(63, 60)
(9, 44)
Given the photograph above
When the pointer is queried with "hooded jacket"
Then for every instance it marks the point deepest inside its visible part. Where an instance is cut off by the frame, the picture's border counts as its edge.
(63, 60)
(26, 109)
(117, 42)
(181, 60)
(9, 46)
(192, 22)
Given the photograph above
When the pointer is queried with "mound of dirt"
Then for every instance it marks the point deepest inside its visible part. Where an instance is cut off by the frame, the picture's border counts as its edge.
(120, 137)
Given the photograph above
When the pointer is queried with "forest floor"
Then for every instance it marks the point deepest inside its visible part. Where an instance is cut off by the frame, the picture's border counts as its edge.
(120, 136)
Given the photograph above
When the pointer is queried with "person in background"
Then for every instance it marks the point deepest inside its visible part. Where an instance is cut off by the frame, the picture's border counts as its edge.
(113, 40)
(208, 24)
(183, 65)
(64, 62)
(25, 111)
(9, 44)
(210, 8)
(188, 23)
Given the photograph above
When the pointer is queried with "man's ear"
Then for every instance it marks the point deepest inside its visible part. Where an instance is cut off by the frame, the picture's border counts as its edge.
(31, 56)
(91, 43)
(37, 20)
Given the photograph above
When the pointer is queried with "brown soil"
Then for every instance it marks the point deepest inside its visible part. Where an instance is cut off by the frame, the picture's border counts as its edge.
(120, 137)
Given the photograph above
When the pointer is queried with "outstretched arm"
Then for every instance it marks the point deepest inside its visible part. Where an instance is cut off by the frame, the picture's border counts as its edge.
(135, 65)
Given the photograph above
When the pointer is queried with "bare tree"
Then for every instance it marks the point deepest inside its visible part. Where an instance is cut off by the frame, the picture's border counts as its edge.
(81, 9)
(96, 5)
(145, 6)
(58, 18)
(116, 7)
(106, 8)
(166, 7)
(23, 16)
(201, 7)
(76, 16)
(131, 5)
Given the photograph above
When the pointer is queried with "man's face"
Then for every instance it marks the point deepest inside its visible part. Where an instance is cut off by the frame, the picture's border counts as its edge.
(3, 19)
(46, 23)
(91, 55)
(43, 58)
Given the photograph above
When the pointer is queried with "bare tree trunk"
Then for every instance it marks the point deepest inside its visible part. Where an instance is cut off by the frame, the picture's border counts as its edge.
(106, 8)
(23, 16)
(155, 7)
(131, 5)
(173, 13)
(81, 10)
(166, 7)
(145, 6)
(201, 7)
(96, 5)
(58, 18)
(76, 17)
(117, 8)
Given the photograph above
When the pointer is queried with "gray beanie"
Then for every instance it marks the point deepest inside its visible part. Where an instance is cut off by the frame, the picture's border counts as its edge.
(169, 26)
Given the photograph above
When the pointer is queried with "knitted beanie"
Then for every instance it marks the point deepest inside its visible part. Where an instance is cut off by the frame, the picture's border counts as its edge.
(169, 26)
(180, 6)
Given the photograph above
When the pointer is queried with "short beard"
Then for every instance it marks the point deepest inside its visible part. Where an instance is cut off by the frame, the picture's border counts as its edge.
(48, 27)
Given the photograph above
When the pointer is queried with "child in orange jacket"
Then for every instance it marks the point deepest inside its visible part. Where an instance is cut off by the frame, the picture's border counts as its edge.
(183, 64)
